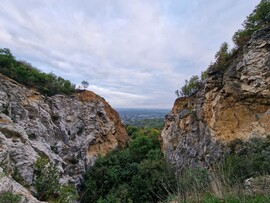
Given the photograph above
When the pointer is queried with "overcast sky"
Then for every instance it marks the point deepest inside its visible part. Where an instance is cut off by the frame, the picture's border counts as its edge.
(134, 53)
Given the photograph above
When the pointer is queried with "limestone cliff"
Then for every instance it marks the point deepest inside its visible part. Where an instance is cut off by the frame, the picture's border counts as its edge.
(70, 131)
(233, 105)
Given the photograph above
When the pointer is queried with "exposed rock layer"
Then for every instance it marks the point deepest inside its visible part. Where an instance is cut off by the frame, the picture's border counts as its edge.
(232, 105)
(70, 131)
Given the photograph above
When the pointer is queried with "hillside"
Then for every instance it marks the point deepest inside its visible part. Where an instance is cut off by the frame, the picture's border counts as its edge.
(231, 106)
(66, 132)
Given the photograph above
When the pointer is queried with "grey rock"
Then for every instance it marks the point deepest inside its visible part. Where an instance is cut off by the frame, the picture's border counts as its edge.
(70, 131)
(232, 105)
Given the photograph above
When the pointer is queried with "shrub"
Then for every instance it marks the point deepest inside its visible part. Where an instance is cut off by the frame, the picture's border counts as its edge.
(221, 58)
(193, 181)
(17, 176)
(46, 179)
(67, 194)
(191, 86)
(249, 159)
(8, 197)
(258, 19)
(47, 183)
(24, 73)
(135, 174)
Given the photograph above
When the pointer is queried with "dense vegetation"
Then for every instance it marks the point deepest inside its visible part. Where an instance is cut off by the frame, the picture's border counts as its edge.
(139, 174)
(135, 174)
(148, 123)
(7, 197)
(25, 73)
(225, 181)
(258, 19)
(46, 183)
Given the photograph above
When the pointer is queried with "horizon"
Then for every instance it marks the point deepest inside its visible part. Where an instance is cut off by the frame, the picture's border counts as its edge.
(135, 54)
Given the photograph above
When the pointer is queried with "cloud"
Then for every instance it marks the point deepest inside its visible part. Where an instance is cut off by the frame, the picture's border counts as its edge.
(134, 53)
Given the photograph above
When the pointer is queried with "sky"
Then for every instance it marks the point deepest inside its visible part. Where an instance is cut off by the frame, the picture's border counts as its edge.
(134, 53)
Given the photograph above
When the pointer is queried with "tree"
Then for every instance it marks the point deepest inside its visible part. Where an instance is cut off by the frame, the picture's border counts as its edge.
(222, 57)
(24, 73)
(259, 18)
(191, 86)
(85, 84)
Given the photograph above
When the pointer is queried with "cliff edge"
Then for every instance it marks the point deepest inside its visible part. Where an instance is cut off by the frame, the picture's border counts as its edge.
(70, 131)
(232, 105)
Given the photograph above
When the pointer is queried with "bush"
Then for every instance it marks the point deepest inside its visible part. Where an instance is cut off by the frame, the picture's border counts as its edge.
(191, 86)
(46, 179)
(248, 159)
(24, 73)
(8, 197)
(258, 19)
(67, 194)
(221, 58)
(135, 174)
(47, 183)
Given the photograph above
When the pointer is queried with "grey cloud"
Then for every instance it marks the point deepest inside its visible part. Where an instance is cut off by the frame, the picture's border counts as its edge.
(134, 53)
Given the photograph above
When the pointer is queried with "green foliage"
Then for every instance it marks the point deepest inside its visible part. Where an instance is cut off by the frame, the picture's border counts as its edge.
(147, 123)
(258, 19)
(135, 132)
(194, 181)
(47, 183)
(221, 58)
(8, 197)
(225, 181)
(203, 75)
(208, 198)
(24, 73)
(135, 174)
(253, 160)
(46, 179)
(67, 194)
(17, 176)
(191, 86)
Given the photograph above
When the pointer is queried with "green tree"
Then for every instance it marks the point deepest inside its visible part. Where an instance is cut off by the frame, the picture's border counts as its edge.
(24, 73)
(191, 86)
(136, 174)
(221, 58)
(259, 18)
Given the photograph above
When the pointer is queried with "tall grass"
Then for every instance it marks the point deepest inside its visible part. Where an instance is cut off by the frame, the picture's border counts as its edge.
(226, 181)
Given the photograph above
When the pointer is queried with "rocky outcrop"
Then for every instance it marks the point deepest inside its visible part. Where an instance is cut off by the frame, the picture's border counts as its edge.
(70, 131)
(7, 184)
(234, 104)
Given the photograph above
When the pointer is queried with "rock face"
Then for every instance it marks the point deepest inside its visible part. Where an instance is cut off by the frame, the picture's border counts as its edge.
(70, 131)
(232, 105)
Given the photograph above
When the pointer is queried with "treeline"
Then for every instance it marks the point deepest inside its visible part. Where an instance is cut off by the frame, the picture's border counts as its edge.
(24, 73)
(147, 123)
(258, 19)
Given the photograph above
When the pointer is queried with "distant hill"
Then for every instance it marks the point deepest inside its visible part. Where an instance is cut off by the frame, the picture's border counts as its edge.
(143, 117)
